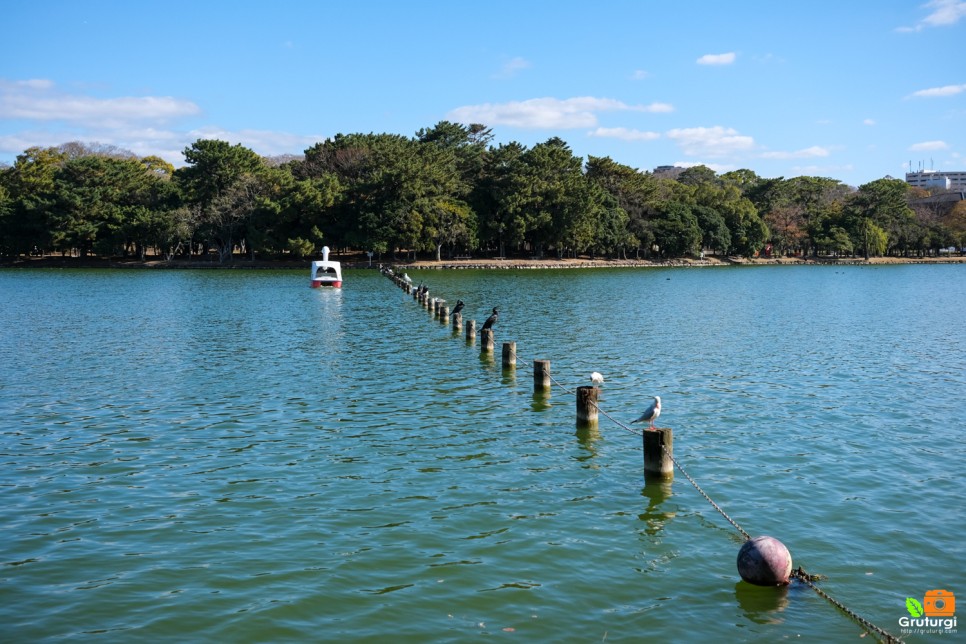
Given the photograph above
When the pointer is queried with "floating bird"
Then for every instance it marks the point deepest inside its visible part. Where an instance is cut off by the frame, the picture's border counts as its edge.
(651, 413)
(490, 321)
(458, 307)
(596, 378)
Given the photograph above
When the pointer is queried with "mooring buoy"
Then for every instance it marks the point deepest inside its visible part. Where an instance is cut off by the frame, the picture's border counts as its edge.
(764, 561)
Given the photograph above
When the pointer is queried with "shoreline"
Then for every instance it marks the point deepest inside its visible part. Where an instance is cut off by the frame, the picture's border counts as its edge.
(492, 263)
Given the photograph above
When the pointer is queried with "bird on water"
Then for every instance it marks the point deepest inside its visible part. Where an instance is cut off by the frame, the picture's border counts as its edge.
(596, 377)
(490, 321)
(651, 413)
(458, 307)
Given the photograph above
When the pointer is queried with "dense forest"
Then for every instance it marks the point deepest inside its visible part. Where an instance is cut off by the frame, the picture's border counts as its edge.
(448, 191)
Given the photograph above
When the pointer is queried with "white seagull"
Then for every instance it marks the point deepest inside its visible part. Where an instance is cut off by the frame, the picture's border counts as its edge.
(651, 413)
(596, 378)
(407, 278)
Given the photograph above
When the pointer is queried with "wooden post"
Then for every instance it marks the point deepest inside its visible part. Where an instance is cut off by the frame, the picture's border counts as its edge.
(587, 406)
(509, 355)
(657, 462)
(471, 330)
(486, 340)
(541, 375)
(457, 321)
(443, 314)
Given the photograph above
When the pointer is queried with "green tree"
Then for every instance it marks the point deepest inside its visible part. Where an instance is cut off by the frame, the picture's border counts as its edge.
(884, 202)
(554, 196)
(817, 197)
(220, 185)
(500, 196)
(714, 231)
(676, 229)
(30, 185)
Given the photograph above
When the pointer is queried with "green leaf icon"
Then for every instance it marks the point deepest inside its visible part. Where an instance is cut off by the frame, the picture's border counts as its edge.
(914, 607)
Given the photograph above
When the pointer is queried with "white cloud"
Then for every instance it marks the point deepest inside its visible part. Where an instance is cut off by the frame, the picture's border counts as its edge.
(943, 14)
(138, 124)
(511, 67)
(806, 153)
(869, 122)
(946, 90)
(822, 170)
(263, 142)
(717, 167)
(928, 146)
(640, 74)
(578, 112)
(717, 59)
(710, 141)
(624, 134)
(37, 100)
(656, 108)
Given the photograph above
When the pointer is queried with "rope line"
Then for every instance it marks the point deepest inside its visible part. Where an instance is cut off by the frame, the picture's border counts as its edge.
(799, 574)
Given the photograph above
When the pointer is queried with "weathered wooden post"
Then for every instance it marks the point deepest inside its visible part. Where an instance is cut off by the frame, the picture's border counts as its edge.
(457, 321)
(587, 406)
(657, 461)
(509, 355)
(471, 330)
(541, 375)
(443, 313)
(486, 340)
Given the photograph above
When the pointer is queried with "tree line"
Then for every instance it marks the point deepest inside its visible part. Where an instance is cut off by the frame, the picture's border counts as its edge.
(447, 191)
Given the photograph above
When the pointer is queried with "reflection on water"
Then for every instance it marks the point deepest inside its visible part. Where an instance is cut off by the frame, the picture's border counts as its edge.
(762, 604)
(654, 515)
(232, 455)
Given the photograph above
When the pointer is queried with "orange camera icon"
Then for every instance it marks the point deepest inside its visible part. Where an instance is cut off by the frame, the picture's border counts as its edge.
(939, 603)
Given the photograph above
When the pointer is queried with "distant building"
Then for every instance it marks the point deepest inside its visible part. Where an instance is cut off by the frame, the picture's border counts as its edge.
(668, 171)
(930, 180)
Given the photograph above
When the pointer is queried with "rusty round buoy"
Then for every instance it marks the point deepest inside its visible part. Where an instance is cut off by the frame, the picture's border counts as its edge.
(764, 561)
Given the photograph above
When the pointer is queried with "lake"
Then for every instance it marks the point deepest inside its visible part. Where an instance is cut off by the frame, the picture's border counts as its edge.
(229, 455)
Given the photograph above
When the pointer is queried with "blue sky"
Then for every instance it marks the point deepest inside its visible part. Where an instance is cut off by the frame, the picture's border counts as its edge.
(852, 90)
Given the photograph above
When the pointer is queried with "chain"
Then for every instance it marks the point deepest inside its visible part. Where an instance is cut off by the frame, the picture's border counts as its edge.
(806, 579)
(705, 495)
(799, 574)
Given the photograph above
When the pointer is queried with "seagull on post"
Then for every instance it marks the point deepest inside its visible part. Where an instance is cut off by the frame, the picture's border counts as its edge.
(651, 413)
(596, 377)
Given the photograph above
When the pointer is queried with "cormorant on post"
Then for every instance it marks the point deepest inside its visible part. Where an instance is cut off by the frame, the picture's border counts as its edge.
(490, 321)
(458, 307)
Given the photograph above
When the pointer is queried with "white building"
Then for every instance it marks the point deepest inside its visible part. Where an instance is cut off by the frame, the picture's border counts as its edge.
(931, 179)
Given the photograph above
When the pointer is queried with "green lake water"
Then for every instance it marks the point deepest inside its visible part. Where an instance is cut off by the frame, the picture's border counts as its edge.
(232, 456)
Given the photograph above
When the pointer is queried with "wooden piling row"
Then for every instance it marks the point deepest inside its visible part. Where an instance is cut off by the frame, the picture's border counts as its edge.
(658, 443)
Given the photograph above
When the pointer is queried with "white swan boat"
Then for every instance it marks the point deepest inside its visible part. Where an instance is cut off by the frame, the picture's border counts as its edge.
(326, 273)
